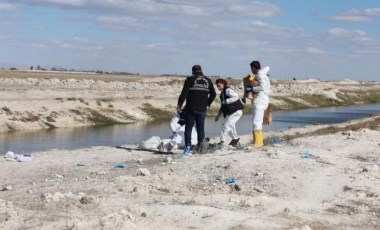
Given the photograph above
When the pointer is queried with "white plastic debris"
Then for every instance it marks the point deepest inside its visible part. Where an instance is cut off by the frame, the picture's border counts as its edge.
(152, 143)
(10, 154)
(143, 172)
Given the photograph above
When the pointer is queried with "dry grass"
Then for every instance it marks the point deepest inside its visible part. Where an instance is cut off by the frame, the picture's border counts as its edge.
(29, 117)
(81, 100)
(7, 110)
(48, 124)
(11, 127)
(68, 75)
(76, 111)
(72, 99)
(156, 114)
(99, 118)
(318, 101)
(106, 100)
(50, 119)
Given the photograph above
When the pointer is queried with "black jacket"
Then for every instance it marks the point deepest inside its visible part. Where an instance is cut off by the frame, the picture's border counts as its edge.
(229, 109)
(198, 92)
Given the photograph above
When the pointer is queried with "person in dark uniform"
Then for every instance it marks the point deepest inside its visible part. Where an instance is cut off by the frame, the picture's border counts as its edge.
(198, 92)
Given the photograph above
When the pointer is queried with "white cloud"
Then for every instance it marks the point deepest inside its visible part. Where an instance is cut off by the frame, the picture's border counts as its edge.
(340, 32)
(223, 44)
(63, 2)
(356, 15)
(259, 23)
(375, 12)
(365, 53)
(37, 45)
(167, 9)
(148, 8)
(78, 40)
(6, 37)
(122, 22)
(161, 47)
(354, 35)
(255, 9)
(314, 51)
(7, 7)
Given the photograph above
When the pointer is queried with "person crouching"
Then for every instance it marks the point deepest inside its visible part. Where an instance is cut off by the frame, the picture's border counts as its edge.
(232, 110)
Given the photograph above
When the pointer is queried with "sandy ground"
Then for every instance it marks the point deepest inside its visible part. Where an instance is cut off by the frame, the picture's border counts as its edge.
(36, 100)
(337, 188)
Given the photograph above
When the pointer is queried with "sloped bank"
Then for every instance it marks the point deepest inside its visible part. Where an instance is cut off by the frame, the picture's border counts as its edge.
(44, 103)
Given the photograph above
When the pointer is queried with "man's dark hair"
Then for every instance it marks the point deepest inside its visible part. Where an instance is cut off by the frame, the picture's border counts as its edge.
(197, 69)
(222, 81)
(255, 64)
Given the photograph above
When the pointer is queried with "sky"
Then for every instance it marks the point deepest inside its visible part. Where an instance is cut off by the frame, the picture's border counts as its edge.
(326, 39)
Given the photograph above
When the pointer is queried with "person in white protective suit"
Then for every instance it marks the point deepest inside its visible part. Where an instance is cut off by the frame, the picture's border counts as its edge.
(177, 126)
(260, 101)
(232, 110)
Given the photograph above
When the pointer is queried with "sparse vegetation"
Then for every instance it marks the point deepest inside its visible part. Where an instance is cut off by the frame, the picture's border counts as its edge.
(10, 127)
(54, 114)
(50, 119)
(371, 124)
(106, 100)
(316, 101)
(125, 115)
(156, 113)
(7, 110)
(71, 98)
(98, 103)
(29, 117)
(99, 118)
(148, 97)
(51, 126)
(76, 111)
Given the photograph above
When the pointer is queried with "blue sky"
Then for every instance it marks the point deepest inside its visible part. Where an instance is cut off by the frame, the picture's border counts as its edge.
(296, 38)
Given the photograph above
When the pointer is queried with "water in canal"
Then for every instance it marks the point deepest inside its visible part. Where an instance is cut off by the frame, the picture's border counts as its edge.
(112, 135)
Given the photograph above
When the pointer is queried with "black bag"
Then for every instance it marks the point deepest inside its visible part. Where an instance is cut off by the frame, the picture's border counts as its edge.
(182, 117)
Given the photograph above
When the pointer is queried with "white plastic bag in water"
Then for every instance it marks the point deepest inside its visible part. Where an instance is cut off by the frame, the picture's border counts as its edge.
(151, 144)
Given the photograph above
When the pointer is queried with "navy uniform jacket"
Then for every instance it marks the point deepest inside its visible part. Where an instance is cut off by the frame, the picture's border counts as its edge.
(198, 92)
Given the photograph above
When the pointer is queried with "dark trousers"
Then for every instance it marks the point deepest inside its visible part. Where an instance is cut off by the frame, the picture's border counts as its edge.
(199, 119)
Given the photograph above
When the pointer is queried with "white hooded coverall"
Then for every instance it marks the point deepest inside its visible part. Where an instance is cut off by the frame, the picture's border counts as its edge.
(229, 125)
(261, 100)
(179, 131)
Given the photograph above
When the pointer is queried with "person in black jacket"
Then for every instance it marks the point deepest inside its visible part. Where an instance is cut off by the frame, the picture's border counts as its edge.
(232, 109)
(198, 92)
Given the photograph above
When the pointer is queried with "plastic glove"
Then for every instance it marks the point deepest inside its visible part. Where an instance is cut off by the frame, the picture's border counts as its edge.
(217, 117)
(248, 89)
(224, 102)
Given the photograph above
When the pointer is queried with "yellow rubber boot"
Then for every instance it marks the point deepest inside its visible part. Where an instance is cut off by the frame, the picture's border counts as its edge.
(258, 138)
